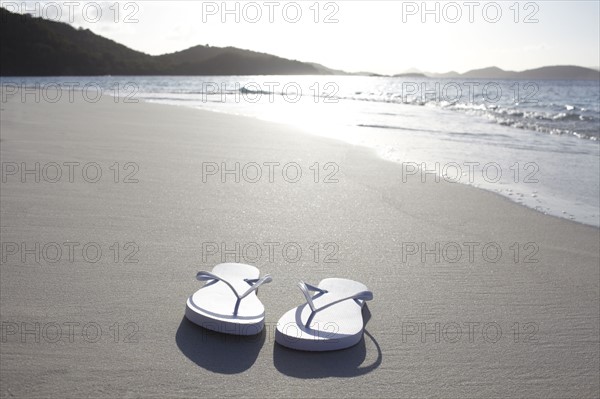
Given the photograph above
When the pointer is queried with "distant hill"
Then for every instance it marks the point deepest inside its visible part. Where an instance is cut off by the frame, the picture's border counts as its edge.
(410, 75)
(205, 60)
(328, 71)
(491, 72)
(559, 72)
(451, 74)
(38, 47)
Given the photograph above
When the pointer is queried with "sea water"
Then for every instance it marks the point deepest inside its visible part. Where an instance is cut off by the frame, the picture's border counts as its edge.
(534, 142)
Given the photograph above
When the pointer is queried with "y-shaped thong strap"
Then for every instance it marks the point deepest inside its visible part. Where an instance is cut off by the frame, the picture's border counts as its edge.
(306, 288)
(254, 284)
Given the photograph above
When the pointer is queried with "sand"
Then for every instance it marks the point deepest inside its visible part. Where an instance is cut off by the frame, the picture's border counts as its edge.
(374, 225)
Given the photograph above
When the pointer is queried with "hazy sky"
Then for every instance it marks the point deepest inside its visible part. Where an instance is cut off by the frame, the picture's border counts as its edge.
(378, 36)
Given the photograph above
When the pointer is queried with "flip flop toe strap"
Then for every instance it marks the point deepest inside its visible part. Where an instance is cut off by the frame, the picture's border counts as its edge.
(306, 288)
(254, 284)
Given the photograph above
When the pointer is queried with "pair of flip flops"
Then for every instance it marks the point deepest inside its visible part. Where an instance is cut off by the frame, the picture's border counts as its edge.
(331, 319)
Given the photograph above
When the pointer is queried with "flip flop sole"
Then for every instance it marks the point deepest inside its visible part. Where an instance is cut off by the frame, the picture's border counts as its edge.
(338, 327)
(221, 325)
(212, 305)
(293, 336)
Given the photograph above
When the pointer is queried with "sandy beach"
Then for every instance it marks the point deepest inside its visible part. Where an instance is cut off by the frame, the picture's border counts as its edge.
(474, 296)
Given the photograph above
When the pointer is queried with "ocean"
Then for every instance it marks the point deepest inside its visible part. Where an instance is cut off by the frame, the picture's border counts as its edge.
(534, 142)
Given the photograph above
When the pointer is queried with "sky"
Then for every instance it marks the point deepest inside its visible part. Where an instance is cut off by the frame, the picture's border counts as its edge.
(384, 37)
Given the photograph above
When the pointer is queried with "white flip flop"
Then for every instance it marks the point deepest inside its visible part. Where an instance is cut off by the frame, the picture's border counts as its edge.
(330, 320)
(227, 303)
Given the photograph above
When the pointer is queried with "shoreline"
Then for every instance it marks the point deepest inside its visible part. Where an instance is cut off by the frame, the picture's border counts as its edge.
(376, 152)
(564, 208)
(378, 229)
(379, 154)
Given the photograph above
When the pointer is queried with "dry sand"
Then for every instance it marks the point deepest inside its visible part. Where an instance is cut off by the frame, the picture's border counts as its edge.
(364, 221)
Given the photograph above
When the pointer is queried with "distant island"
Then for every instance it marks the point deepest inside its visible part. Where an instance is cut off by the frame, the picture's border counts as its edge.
(410, 75)
(558, 72)
(37, 47)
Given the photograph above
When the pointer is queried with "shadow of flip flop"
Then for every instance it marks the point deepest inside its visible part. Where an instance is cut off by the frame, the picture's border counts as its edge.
(219, 353)
(342, 363)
